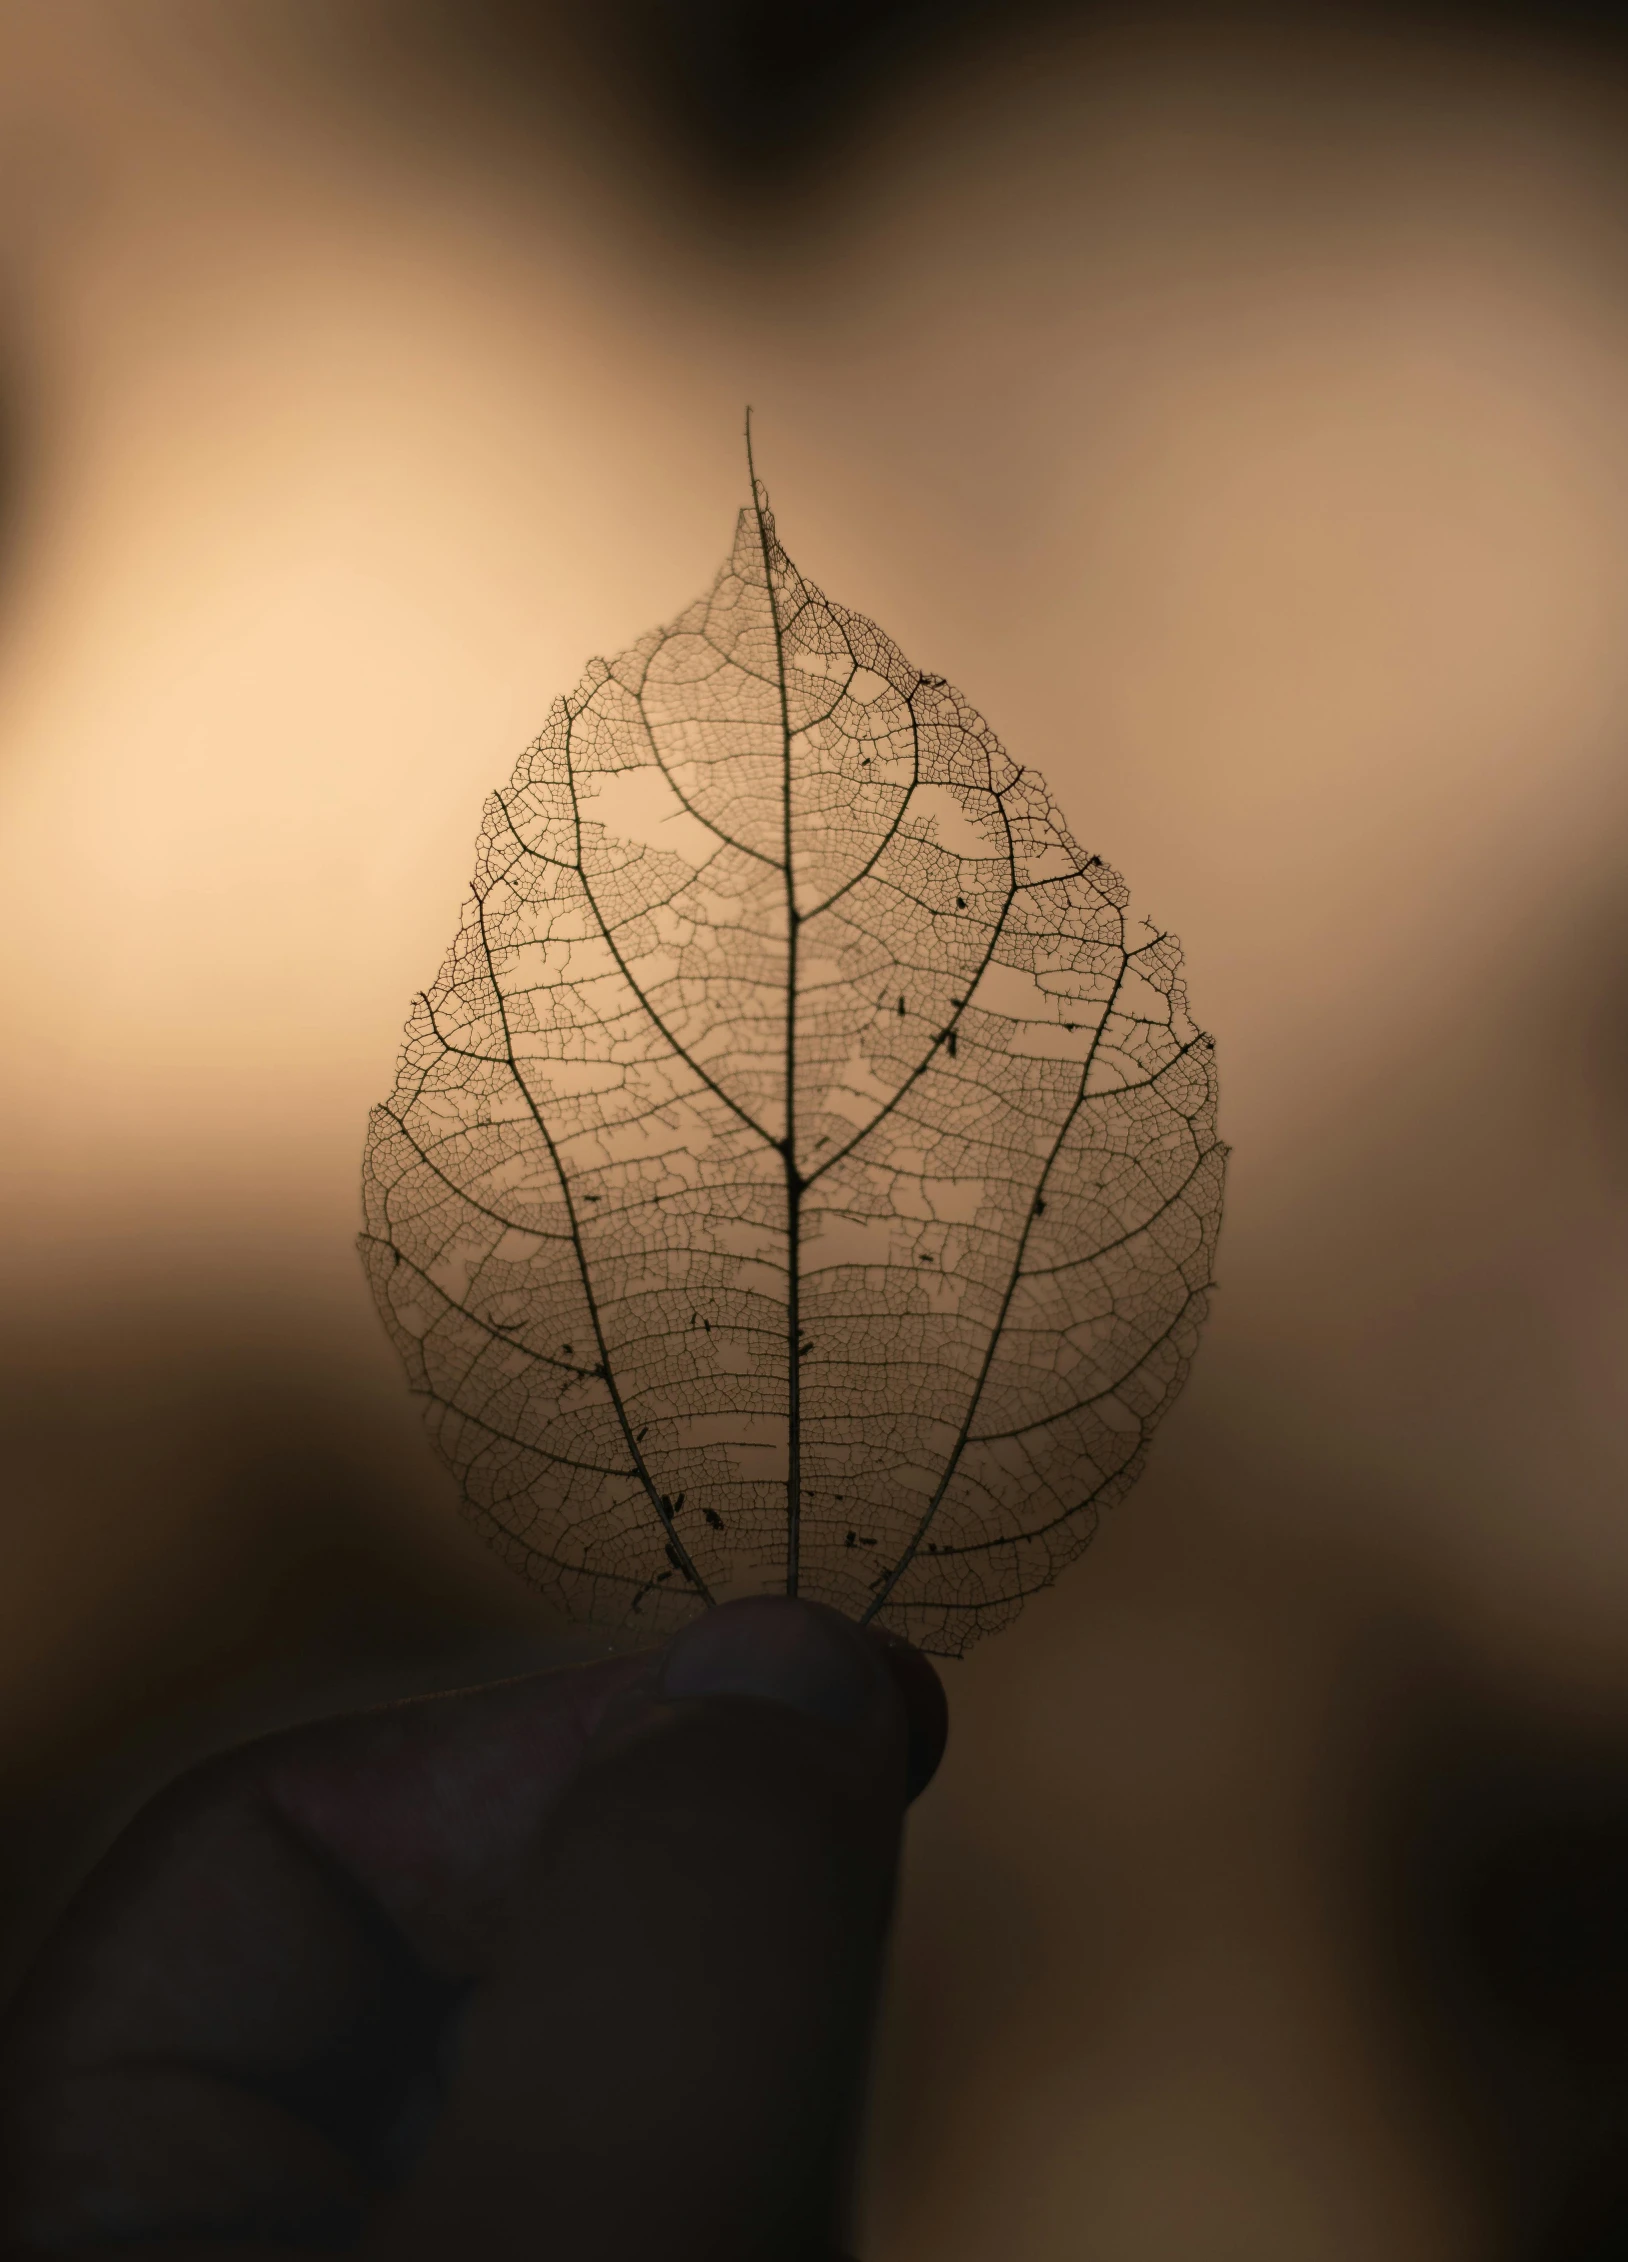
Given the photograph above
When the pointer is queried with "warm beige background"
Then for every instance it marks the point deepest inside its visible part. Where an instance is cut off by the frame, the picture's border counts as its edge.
(1241, 424)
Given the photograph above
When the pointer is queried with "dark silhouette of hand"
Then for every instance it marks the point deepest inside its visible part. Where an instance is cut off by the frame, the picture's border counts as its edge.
(580, 1967)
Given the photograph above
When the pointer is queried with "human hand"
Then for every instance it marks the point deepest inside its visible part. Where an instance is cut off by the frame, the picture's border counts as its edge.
(579, 1966)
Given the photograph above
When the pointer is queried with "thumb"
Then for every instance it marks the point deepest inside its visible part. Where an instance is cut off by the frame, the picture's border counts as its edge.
(664, 2059)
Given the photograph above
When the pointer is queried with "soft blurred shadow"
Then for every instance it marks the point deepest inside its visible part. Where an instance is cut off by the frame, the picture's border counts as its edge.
(1234, 412)
(1483, 1846)
(762, 102)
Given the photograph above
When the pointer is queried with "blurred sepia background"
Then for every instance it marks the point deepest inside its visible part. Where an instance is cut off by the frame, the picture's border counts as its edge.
(1236, 408)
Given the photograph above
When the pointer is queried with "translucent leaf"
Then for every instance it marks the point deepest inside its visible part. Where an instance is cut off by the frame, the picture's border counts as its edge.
(802, 1173)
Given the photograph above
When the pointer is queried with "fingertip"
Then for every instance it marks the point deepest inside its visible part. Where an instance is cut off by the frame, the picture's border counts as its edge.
(777, 1650)
(926, 1707)
(811, 1658)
